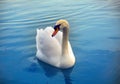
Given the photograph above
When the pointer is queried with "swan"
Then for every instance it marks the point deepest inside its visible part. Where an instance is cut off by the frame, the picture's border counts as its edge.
(53, 46)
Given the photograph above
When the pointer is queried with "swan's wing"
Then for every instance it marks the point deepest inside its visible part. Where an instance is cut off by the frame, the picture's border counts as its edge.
(46, 44)
(58, 36)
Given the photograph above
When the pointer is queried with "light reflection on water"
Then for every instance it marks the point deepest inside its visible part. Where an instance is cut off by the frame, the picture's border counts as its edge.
(94, 36)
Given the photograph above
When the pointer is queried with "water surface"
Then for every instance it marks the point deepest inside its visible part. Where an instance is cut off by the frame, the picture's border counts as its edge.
(94, 36)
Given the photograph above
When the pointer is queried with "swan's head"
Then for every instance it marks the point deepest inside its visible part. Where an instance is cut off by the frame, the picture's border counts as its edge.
(60, 25)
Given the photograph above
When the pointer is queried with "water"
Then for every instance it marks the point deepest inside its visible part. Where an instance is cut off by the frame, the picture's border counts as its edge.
(94, 36)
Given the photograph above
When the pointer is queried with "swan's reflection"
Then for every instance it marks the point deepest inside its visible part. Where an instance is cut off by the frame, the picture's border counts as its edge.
(51, 71)
(67, 73)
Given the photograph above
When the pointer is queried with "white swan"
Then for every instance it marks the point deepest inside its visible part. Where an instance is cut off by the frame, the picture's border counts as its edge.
(53, 46)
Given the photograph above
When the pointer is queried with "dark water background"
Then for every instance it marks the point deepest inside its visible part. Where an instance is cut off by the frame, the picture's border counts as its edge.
(94, 36)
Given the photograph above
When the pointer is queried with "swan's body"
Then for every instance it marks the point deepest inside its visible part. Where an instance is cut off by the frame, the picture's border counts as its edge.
(56, 50)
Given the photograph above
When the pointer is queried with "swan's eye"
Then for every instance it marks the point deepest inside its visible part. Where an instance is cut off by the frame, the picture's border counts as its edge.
(57, 27)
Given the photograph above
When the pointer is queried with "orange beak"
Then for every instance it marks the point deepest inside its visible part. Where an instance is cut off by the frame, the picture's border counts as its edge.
(55, 32)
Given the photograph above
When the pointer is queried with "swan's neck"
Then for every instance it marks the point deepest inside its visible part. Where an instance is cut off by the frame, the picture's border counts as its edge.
(65, 41)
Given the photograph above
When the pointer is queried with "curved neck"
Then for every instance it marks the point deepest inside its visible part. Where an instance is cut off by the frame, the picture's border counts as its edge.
(65, 41)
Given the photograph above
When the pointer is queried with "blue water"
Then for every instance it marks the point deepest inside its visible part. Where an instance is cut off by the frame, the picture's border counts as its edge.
(94, 36)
